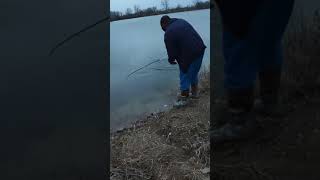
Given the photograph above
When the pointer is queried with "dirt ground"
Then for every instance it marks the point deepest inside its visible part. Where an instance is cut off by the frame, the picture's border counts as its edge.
(283, 149)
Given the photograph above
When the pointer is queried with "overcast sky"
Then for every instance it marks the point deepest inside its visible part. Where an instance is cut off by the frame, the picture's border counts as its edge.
(122, 5)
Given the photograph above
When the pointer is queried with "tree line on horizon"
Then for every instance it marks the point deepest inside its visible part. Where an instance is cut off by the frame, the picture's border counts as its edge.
(138, 12)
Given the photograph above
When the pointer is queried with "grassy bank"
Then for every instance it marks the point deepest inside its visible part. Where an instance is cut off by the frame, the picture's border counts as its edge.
(168, 145)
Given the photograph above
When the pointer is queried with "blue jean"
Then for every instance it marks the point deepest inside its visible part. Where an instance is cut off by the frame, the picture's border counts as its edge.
(191, 77)
(261, 49)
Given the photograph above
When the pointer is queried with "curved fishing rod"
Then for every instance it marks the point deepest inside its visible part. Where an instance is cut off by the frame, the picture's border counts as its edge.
(76, 34)
(145, 66)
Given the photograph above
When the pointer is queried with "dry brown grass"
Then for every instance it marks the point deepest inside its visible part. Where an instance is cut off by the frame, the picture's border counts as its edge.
(167, 145)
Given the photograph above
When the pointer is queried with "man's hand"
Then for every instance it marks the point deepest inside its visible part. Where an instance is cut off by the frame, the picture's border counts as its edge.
(173, 62)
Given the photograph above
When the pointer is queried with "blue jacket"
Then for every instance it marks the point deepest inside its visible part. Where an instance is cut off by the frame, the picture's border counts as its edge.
(183, 43)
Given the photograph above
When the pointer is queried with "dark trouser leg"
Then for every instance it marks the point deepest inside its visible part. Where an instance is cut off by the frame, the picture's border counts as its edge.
(241, 67)
(234, 120)
(193, 74)
(184, 84)
(240, 100)
(269, 81)
(269, 86)
(265, 37)
(242, 63)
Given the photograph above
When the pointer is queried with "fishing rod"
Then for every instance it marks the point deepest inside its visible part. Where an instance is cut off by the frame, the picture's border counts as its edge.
(144, 66)
(77, 34)
(86, 29)
(164, 69)
(212, 6)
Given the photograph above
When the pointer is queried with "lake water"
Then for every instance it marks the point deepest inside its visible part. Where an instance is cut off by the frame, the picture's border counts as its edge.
(135, 43)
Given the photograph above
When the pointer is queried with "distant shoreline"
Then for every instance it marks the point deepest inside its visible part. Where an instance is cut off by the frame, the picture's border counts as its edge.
(156, 14)
(117, 16)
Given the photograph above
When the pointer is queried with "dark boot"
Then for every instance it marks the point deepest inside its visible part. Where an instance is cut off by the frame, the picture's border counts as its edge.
(194, 91)
(237, 102)
(182, 99)
(234, 120)
(234, 130)
(184, 94)
(269, 104)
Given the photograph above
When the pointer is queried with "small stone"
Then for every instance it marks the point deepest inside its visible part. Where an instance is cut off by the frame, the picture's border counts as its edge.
(168, 136)
(205, 170)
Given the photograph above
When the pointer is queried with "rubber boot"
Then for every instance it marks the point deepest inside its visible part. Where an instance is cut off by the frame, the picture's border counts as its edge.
(268, 104)
(235, 120)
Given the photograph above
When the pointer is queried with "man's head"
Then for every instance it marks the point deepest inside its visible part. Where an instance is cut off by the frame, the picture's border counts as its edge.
(164, 22)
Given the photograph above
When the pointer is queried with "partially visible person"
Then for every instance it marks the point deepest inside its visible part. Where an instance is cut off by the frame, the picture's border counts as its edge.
(185, 48)
(252, 35)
